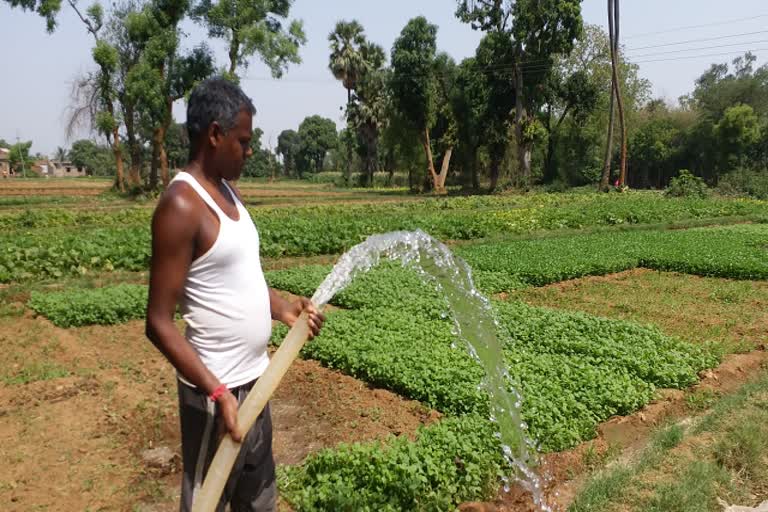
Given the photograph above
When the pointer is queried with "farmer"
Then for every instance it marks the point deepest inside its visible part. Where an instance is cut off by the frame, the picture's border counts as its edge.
(205, 256)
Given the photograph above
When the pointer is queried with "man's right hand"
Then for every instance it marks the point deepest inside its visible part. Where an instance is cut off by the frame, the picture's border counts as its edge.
(228, 409)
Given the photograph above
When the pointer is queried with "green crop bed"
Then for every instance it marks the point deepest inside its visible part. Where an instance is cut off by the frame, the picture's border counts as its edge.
(78, 307)
(57, 242)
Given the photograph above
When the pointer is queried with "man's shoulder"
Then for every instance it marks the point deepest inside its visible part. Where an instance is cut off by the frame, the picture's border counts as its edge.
(178, 203)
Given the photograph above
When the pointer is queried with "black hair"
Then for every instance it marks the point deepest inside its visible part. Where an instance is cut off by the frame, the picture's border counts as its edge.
(215, 99)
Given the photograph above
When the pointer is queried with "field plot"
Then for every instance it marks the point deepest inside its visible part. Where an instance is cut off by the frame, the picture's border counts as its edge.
(602, 310)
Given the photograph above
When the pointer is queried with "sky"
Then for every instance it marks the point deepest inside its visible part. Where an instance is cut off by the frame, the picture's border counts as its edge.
(37, 69)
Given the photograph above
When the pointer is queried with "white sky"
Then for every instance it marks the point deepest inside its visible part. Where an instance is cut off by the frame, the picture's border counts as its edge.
(37, 69)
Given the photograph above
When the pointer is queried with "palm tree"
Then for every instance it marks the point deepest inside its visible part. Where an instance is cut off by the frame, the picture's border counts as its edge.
(347, 62)
(61, 154)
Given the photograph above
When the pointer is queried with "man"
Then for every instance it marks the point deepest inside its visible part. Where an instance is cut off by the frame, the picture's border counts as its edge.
(205, 257)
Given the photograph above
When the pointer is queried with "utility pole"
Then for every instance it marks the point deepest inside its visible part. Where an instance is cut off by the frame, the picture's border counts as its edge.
(21, 155)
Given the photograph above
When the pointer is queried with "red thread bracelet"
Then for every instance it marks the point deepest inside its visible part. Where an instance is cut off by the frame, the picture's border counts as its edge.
(218, 392)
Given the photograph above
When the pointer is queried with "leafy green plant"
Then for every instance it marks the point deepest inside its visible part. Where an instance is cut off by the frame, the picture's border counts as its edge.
(109, 305)
(686, 184)
(455, 460)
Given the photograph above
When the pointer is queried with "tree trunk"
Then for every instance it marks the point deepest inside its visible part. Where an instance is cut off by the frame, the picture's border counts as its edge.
(430, 162)
(494, 169)
(440, 178)
(348, 170)
(234, 49)
(619, 99)
(523, 146)
(134, 175)
(164, 170)
(119, 180)
(157, 143)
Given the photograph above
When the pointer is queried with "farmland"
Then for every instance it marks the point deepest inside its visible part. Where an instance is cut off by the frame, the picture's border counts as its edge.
(382, 412)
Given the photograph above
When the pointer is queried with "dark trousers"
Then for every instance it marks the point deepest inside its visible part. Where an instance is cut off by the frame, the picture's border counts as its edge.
(251, 486)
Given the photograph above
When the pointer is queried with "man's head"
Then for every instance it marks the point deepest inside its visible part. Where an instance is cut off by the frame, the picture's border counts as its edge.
(219, 117)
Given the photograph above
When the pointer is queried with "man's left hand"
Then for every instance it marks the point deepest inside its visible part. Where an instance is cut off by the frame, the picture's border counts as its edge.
(314, 317)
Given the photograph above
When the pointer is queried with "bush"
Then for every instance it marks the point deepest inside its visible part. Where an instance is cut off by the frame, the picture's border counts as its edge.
(686, 184)
(745, 182)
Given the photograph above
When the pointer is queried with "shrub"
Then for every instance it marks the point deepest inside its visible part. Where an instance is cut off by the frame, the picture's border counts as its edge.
(686, 184)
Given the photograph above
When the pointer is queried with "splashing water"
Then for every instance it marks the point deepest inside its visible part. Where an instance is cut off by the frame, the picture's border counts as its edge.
(474, 323)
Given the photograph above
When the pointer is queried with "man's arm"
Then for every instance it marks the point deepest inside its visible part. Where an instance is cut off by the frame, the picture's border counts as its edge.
(174, 228)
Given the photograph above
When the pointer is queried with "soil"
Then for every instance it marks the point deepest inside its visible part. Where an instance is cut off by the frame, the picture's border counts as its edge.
(75, 442)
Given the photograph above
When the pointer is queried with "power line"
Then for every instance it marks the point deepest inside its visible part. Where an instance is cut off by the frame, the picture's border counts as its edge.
(701, 40)
(689, 27)
(700, 48)
(733, 52)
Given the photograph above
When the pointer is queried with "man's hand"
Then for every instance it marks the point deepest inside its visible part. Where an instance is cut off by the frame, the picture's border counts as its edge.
(315, 318)
(228, 410)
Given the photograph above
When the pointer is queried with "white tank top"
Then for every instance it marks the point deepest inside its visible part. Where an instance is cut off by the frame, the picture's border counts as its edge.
(226, 299)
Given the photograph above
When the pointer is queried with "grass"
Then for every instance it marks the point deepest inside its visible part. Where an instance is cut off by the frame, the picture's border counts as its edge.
(697, 309)
(724, 455)
(34, 372)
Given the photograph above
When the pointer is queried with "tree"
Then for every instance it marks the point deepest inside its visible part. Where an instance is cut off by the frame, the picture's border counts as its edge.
(415, 89)
(500, 98)
(19, 158)
(288, 145)
(262, 161)
(161, 76)
(575, 95)
(367, 111)
(653, 151)
(96, 158)
(737, 133)
(252, 27)
(469, 101)
(346, 62)
(47, 9)
(105, 55)
(61, 154)
(710, 149)
(177, 145)
(539, 30)
(317, 135)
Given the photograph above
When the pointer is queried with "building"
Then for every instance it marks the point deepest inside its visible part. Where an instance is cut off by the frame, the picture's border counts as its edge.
(5, 162)
(63, 169)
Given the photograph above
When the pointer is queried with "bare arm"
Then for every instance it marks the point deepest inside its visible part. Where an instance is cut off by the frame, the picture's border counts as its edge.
(174, 228)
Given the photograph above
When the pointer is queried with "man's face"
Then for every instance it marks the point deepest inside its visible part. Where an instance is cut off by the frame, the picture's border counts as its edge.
(234, 147)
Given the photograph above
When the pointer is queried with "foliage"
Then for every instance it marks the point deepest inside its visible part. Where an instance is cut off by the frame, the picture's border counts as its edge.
(450, 462)
(288, 145)
(413, 55)
(686, 184)
(262, 161)
(19, 158)
(573, 369)
(96, 158)
(254, 27)
(745, 182)
(78, 307)
(317, 135)
(54, 242)
(55, 253)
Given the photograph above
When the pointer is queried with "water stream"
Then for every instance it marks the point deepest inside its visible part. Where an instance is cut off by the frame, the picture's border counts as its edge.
(474, 323)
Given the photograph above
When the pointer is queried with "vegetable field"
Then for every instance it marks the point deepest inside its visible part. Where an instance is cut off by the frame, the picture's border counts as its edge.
(74, 295)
